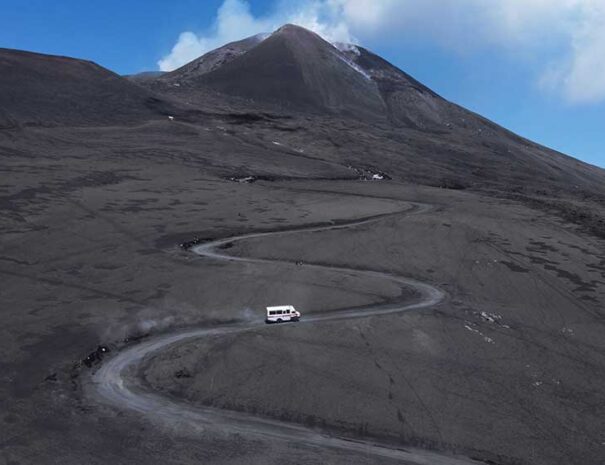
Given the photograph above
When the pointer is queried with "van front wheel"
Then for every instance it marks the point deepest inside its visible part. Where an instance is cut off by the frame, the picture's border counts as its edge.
(279, 320)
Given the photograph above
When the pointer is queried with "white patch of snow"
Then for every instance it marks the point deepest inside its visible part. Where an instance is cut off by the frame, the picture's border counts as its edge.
(245, 179)
(487, 339)
(171, 118)
(276, 143)
(471, 329)
(487, 317)
(491, 317)
(354, 66)
(377, 177)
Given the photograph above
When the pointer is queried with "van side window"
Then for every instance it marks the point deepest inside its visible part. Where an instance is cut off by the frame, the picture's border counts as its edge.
(272, 312)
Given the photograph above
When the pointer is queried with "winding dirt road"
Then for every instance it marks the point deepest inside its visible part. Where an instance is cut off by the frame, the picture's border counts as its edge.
(114, 386)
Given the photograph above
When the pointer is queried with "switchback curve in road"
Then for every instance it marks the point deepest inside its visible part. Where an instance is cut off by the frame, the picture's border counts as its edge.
(111, 384)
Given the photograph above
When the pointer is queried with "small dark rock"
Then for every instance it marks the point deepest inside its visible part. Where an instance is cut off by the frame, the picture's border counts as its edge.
(182, 373)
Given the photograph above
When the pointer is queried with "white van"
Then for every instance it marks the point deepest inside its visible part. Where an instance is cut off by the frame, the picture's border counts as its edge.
(282, 313)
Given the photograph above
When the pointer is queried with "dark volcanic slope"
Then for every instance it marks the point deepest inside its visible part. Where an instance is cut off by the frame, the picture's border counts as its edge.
(298, 70)
(407, 101)
(387, 120)
(53, 90)
(411, 104)
(212, 60)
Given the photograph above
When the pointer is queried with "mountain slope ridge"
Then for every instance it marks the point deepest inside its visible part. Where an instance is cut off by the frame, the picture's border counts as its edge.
(48, 90)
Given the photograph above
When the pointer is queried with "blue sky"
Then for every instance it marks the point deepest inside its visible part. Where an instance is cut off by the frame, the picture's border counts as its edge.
(536, 67)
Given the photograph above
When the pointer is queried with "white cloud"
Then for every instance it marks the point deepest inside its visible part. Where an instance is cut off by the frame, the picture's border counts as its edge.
(234, 21)
(580, 76)
(571, 30)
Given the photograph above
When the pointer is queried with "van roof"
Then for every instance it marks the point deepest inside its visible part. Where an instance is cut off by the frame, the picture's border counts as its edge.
(280, 307)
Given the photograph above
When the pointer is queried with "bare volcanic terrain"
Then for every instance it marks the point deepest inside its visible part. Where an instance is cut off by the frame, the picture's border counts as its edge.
(44, 90)
(450, 274)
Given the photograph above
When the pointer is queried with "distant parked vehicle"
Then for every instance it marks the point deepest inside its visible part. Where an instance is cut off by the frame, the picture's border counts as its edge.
(281, 314)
